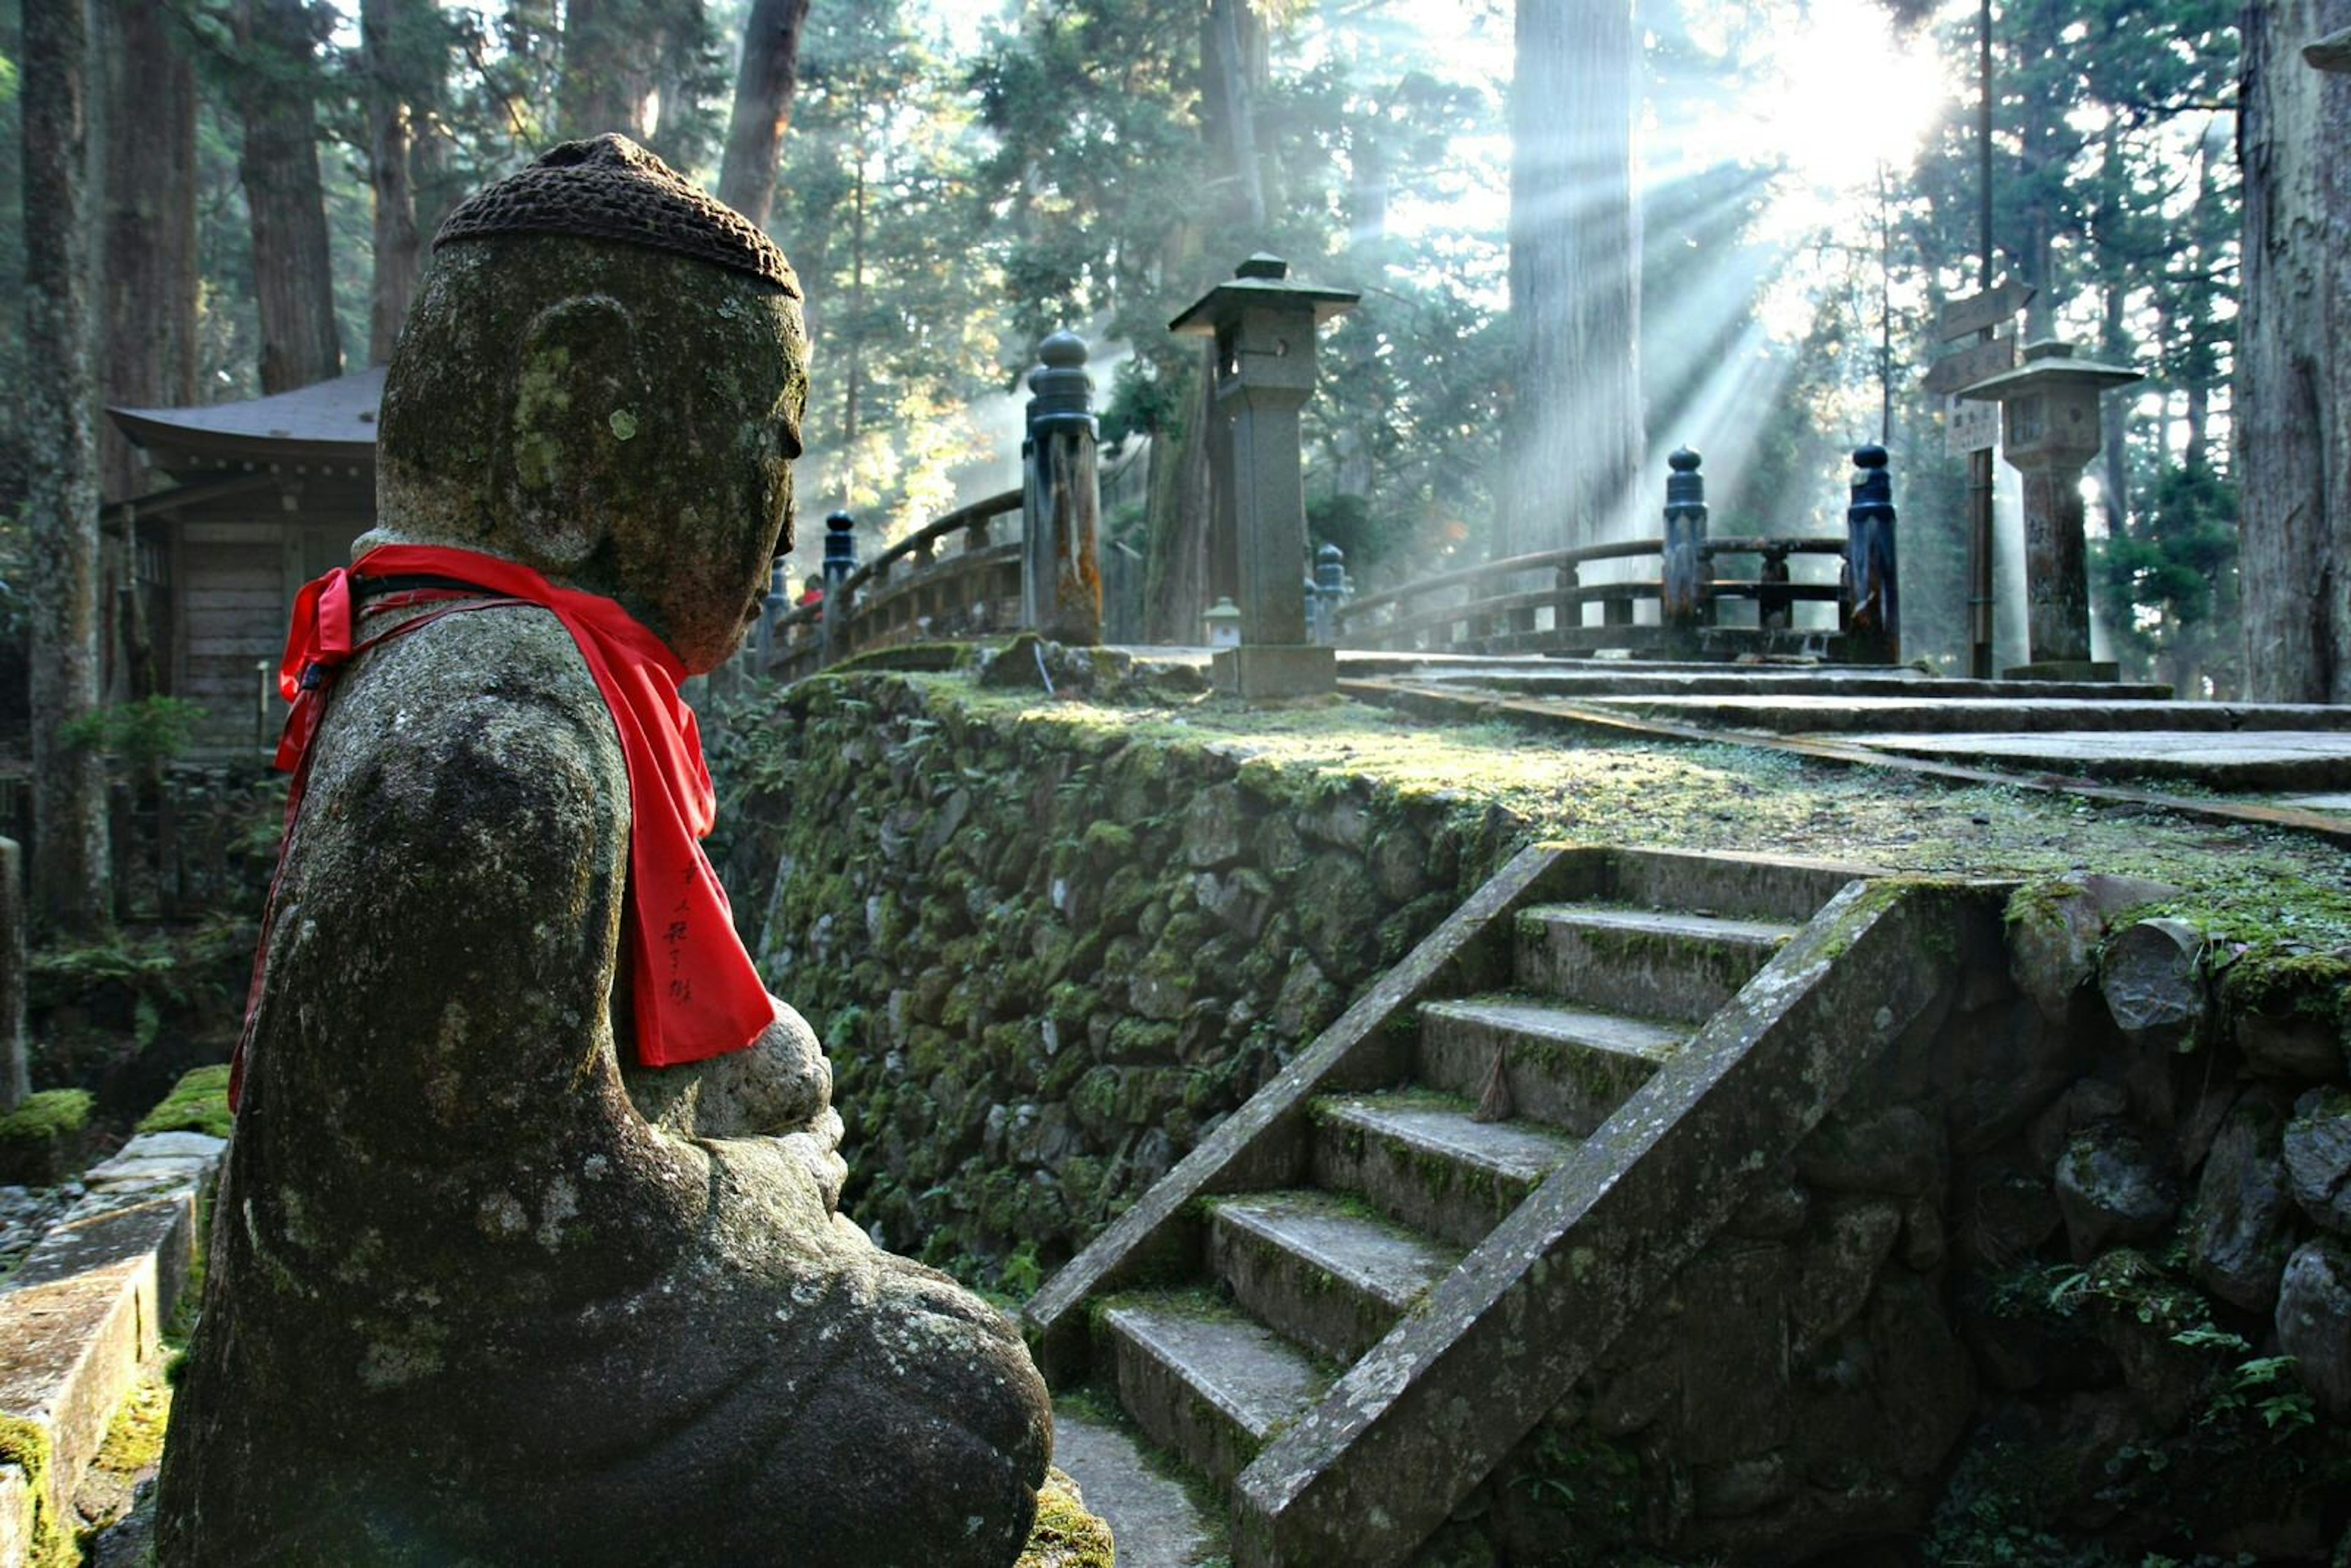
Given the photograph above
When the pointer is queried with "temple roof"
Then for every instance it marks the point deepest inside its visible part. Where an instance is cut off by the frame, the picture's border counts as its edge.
(330, 421)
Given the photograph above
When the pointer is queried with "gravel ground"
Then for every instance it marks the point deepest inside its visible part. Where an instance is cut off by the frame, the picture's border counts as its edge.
(26, 1215)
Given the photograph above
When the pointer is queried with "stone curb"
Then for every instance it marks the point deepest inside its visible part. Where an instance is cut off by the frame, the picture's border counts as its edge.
(85, 1311)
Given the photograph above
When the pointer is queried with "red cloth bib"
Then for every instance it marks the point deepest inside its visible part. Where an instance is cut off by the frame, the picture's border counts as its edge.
(697, 994)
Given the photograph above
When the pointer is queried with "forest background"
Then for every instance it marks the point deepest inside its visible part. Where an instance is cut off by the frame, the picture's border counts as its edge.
(954, 179)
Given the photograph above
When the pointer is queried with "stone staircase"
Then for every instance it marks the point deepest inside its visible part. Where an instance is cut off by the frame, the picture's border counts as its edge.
(1352, 1301)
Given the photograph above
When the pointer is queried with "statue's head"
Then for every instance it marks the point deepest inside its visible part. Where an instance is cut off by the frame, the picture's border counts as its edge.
(603, 378)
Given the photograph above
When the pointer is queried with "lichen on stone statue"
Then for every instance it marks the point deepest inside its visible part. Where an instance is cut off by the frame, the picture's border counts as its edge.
(481, 1290)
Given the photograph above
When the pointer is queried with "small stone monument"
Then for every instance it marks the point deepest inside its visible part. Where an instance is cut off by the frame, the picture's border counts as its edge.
(481, 1290)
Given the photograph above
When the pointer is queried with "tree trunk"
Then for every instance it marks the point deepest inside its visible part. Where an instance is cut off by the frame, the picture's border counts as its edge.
(148, 266)
(1233, 67)
(69, 868)
(763, 106)
(853, 382)
(387, 45)
(608, 50)
(1177, 573)
(2294, 385)
(1573, 437)
(293, 273)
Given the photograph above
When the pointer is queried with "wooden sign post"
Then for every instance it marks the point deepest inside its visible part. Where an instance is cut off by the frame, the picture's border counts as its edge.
(1975, 433)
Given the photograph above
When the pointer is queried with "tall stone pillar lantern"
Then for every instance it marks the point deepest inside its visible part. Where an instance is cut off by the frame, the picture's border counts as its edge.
(2049, 432)
(1264, 326)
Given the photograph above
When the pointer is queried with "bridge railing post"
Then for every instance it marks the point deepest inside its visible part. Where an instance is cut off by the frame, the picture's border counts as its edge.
(1682, 596)
(1871, 612)
(1060, 576)
(777, 603)
(1328, 591)
(1774, 606)
(840, 560)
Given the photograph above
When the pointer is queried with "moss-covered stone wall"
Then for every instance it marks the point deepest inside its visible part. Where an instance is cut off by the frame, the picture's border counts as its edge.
(1049, 950)
(2065, 1282)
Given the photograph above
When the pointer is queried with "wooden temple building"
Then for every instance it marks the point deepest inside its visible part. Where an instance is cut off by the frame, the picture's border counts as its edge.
(249, 501)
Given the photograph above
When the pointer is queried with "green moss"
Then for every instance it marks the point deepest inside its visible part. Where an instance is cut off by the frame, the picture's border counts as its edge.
(2280, 983)
(26, 1445)
(198, 1103)
(46, 1117)
(134, 1441)
(1065, 1534)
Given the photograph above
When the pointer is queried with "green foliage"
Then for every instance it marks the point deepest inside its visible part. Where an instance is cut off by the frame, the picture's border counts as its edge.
(2171, 575)
(144, 735)
(194, 969)
(2115, 193)
(2249, 1447)
(1597, 1489)
(882, 212)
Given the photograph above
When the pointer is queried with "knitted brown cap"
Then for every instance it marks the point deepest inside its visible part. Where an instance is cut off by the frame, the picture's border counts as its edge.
(611, 188)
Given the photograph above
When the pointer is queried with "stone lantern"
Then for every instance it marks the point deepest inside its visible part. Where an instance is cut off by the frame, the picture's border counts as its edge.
(2049, 432)
(1264, 326)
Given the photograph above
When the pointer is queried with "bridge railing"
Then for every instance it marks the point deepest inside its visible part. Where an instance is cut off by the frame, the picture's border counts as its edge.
(957, 576)
(1540, 603)
(1023, 557)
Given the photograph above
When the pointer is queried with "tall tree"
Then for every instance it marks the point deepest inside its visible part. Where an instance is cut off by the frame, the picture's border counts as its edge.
(148, 260)
(879, 209)
(763, 106)
(293, 268)
(402, 63)
(69, 866)
(2293, 383)
(1573, 438)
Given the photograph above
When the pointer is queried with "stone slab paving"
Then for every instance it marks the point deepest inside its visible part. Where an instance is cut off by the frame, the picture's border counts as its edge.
(1157, 1523)
(2250, 760)
(1796, 712)
(2338, 804)
(86, 1309)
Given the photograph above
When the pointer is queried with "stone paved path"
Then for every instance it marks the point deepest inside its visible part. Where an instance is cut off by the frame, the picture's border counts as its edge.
(1154, 1520)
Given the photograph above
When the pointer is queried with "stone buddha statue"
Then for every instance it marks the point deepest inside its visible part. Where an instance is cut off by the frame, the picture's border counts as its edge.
(472, 1300)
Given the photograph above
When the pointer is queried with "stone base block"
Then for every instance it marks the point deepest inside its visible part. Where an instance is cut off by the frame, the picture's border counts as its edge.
(15, 1517)
(2064, 670)
(1254, 673)
(70, 1351)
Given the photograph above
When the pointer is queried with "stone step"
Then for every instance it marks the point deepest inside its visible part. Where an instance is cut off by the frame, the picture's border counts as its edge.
(1157, 1521)
(1776, 889)
(1568, 1066)
(1649, 963)
(1806, 714)
(1321, 1270)
(1421, 1157)
(1203, 1382)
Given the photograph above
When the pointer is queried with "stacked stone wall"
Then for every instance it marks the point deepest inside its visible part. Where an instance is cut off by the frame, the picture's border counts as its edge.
(2066, 1279)
(1047, 953)
(2062, 1282)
